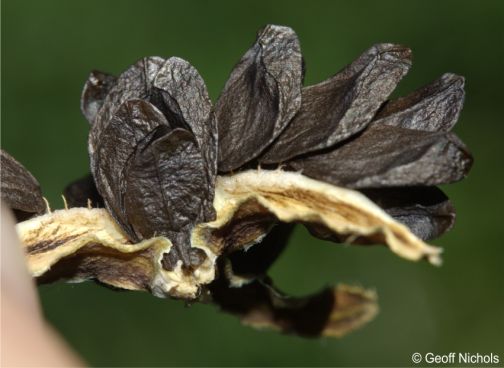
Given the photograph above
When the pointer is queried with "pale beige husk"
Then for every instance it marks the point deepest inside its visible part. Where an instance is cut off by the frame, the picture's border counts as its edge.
(84, 243)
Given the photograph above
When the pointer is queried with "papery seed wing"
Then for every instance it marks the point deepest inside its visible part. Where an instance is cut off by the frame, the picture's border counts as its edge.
(19, 189)
(165, 183)
(134, 83)
(435, 107)
(184, 98)
(385, 156)
(132, 122)
(343, 105)
(260, 98)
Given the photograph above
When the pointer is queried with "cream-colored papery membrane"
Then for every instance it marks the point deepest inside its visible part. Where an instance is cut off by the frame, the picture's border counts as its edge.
(289, 196)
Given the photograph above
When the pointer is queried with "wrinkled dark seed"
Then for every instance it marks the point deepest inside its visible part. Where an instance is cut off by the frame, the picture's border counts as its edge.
(132, 122)
(134, 83)
(343, 105)
(185, 95)
(435, 107)
(185, 99)
(164, 185)
(19, 189)
(94, 92)
(426, 211)
(260, 98)
(384, 156)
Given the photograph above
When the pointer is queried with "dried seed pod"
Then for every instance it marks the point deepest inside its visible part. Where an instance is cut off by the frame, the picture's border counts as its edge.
(19, 189)
(343, 105)
(134, 83)
(262, 95)
(132, 122)
(435, 107)
(173, 227)
(186, 100)
(384, 156)
(179, 93)
(165, 173)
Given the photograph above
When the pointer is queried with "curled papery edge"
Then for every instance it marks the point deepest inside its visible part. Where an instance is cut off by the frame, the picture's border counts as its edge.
(80, 244)
(99, 249)
(293, 197)
(89, 244)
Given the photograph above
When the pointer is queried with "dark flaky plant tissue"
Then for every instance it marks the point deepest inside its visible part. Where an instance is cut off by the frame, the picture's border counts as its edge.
(195, 201)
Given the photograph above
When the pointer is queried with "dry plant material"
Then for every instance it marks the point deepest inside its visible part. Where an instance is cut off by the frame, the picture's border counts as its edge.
(20, 190)
(196, 202)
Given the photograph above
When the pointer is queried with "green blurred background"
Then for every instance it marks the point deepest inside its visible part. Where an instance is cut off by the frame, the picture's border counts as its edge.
(48, 49)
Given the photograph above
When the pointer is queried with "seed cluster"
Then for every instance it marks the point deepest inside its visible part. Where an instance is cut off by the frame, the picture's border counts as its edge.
(187, 185)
